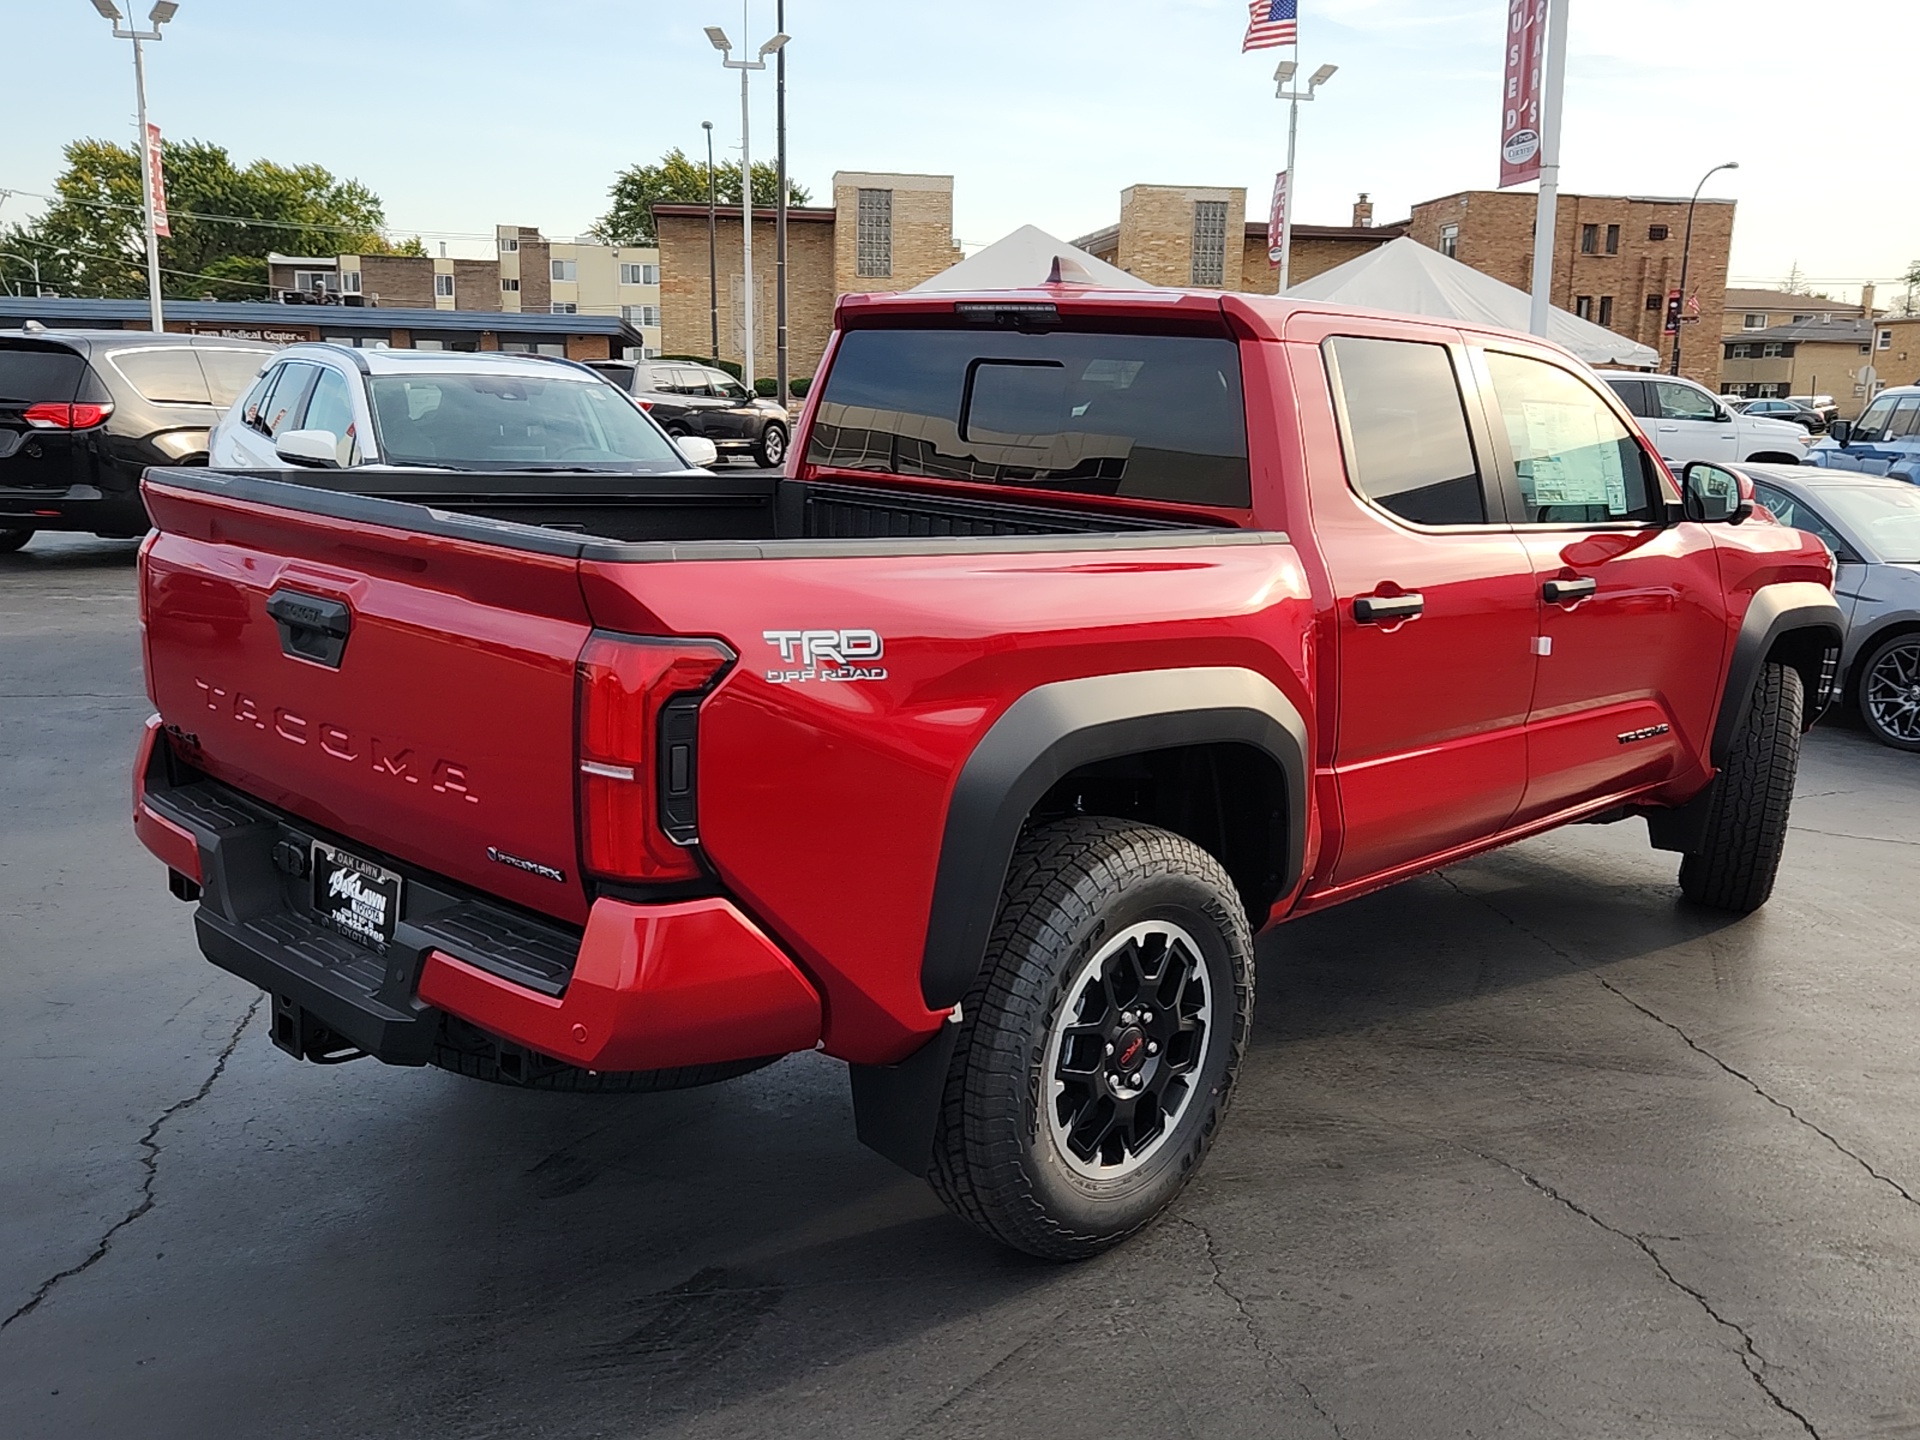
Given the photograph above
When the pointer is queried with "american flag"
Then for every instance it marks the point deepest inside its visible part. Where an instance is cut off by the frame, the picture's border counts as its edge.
(1270, 23)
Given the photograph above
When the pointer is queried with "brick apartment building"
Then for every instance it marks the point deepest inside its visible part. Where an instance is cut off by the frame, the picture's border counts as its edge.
(882, 232)
(528, 274)
(1195, 236)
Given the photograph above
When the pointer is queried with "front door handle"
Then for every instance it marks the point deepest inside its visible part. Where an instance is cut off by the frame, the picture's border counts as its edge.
(1559, 592)
(1372, 609)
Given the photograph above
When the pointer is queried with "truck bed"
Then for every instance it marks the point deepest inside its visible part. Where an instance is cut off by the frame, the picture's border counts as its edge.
(598, 516)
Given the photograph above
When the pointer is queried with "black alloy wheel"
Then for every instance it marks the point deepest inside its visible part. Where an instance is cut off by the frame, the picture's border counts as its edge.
(1890, 692)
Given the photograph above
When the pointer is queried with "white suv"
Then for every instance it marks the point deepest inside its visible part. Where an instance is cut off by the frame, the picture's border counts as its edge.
(323, 406)
(1688, 422)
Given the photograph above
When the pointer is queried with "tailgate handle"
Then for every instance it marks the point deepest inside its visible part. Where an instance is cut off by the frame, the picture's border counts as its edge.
(311, 627)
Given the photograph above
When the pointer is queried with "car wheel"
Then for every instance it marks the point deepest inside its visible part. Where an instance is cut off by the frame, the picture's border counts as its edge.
(1747, 807)
(1099, 1045)
(1889, 693)
(12, 540)
(772, 448)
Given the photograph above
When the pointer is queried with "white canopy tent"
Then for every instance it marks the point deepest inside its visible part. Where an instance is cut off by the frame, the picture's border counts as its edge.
(1406, 276)
(1029, 257)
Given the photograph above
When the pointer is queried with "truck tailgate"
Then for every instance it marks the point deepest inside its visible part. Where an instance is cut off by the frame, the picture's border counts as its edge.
(414, 693)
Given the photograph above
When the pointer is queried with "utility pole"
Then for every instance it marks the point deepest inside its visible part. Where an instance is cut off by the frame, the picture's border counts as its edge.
(162, 12)
(780, 209)
(1553, 93)
(1686, 254)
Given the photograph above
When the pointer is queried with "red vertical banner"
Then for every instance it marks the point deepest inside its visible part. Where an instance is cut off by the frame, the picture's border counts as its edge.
(159, 182)
(1520, 94)
(1277, 218)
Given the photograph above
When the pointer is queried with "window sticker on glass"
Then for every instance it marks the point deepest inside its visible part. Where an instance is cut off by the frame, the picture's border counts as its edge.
(1563, 459)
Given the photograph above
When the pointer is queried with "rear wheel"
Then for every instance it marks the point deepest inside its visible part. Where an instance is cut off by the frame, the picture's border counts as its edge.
(12, 540)
(772, 448)
(1747, 808)
(1099, 1046)
(468, 1050)
(1889, 692)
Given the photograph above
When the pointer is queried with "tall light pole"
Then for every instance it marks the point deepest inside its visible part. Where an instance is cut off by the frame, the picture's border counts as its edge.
(713, 261)
(162, 12)
(718, 39)
(1281, 76)
(1686, 254)
(26, 260)
(780, 208)
(1546, 214)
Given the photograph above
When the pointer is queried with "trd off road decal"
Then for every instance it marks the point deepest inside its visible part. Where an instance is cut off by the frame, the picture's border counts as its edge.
(833, 655)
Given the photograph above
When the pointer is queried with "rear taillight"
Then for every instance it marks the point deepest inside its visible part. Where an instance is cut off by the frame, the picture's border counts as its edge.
(67, 417)
(639, 722)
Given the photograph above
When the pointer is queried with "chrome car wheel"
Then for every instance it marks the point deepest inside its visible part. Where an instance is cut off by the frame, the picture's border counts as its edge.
(1126, 1045)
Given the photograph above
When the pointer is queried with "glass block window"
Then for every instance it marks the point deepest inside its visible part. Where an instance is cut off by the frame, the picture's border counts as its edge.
(1209, 242)
(875, 232)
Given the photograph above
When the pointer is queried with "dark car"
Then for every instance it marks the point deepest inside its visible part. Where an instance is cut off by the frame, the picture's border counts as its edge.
(693, 399)
(1792, 410)
(83, 413)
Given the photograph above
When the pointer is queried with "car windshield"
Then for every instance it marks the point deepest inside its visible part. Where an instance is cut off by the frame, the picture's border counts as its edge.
(516, 422)
(1891, 417)
(1887, 517)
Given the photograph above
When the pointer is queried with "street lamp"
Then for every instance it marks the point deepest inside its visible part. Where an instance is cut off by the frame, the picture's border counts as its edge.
(718, 39)
(713, 263)
(33, 261)
(1686, 253)
(162, 12)
(1281, 75)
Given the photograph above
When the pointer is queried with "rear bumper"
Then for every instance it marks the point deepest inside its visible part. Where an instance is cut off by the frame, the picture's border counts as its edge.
(644, 987)
(78, 507)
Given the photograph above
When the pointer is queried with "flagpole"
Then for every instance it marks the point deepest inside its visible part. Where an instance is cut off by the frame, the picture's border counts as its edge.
(1286, 200)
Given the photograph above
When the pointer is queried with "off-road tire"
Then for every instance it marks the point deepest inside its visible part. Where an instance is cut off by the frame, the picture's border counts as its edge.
(1747, 807)
(1072, 885)
(466, 1050)
(12, 540)
(769, 451)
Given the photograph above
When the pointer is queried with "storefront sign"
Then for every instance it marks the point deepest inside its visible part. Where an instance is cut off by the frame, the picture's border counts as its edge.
(1520, 98)
(268, 334)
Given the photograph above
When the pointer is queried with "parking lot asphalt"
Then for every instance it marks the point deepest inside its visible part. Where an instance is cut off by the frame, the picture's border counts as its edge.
(1523, 1148)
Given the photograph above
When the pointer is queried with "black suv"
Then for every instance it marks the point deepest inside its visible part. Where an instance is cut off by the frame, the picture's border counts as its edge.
(83, 413)
(692, 399)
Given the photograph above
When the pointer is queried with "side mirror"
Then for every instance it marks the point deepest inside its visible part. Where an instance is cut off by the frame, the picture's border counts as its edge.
(312, 449)
(1715, 495)
(697, 450)
(1840, 432)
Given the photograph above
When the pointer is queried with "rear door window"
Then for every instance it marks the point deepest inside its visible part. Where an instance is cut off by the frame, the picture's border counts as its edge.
(1150, 417)
(284, 400)
(170, 376)
(1408, 447)
(1633, 394)
(229, 372)
(1575, 462)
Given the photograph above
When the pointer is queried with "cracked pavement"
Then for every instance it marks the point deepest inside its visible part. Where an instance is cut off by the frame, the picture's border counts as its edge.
(1525, 1149)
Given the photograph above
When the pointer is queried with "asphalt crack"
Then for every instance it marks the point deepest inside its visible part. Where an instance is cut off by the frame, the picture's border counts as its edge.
(1266, 1352)
(150, 1163)
(1699, 1049)
(1751, 1359)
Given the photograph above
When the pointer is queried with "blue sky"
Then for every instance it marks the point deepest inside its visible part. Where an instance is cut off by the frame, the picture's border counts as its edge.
(463, 114)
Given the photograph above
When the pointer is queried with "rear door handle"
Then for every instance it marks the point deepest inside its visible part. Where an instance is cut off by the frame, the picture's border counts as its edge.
(1372, 609)
(1559, 592)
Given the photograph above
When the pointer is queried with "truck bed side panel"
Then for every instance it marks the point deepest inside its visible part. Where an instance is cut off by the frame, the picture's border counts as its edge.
(823, 802)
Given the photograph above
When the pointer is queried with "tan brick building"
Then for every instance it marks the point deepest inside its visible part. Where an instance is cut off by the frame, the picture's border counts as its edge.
(1750, 311)
(1615, 259)
(1167, 235)
(883, 232)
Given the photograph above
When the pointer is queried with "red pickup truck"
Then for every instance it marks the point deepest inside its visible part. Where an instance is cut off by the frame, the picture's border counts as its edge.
(1092, 634)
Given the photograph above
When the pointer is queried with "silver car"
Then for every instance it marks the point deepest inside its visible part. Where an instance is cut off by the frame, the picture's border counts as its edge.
(1872, 525)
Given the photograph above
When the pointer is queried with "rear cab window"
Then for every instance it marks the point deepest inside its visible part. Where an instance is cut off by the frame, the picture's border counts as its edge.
(1132, 416)
(1402, 415)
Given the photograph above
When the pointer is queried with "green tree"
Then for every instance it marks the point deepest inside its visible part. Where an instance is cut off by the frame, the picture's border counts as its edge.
(1910, 302)
(224, 219)
(677, 180)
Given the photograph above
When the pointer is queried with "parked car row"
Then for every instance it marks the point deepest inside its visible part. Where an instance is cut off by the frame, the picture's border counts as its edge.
(692, 399)
(1688, 422)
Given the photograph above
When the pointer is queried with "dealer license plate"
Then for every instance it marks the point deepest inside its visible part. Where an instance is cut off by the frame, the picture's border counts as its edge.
(355, 897)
